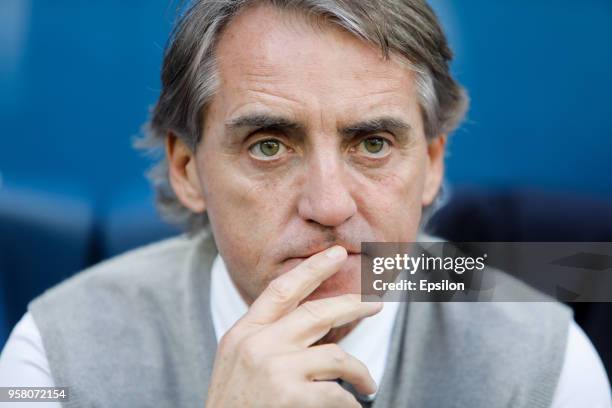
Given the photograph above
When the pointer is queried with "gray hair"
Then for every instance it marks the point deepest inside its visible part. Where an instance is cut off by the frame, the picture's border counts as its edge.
(408, 29)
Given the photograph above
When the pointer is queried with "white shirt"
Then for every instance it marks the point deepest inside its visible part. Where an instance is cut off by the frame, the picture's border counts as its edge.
(582, 383)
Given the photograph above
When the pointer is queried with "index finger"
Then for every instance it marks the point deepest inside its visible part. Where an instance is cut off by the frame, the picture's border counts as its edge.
(285, 292)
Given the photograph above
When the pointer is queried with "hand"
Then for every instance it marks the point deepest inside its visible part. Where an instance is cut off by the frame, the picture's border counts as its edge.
(266, 358)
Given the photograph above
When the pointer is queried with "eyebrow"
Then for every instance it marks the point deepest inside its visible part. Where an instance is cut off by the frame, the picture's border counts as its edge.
(397, 126)
(259, 120)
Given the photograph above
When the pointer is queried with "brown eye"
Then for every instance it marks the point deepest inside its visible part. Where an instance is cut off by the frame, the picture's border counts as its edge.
(267, 149)
(373, 146)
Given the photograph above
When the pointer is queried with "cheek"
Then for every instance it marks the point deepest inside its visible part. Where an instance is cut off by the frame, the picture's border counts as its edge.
(241, 204)
(239, 232)
(246, 214)
(392, 201)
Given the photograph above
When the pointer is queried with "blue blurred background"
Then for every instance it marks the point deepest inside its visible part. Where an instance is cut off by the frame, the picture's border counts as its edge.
(77, 79)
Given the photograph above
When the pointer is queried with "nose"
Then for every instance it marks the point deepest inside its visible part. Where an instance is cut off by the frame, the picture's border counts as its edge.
(326, 196)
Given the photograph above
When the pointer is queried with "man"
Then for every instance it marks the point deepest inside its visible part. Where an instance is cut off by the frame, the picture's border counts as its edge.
(294, 131)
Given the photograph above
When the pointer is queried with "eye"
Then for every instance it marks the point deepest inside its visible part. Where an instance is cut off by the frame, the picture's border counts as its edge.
(373, 146)
(268, 149)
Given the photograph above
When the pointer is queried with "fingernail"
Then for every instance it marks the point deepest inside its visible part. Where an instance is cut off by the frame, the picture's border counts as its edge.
(336, 252)
(373, 386)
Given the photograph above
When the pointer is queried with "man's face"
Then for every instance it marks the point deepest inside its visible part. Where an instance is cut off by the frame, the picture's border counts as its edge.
(312, 140)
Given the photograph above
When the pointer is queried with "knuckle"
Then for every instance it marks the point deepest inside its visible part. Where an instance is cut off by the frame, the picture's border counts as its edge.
(353, 299)
(338, 356)
(310, 267)
(249, 353)
(349, 302)
(280, 289)
(229, 341)
(316, 311)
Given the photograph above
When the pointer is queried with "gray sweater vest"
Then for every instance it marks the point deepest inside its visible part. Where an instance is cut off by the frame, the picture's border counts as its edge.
(136, 331)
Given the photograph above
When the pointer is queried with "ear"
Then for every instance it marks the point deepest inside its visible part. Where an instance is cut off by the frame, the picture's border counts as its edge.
(435, 171)
(183, 174)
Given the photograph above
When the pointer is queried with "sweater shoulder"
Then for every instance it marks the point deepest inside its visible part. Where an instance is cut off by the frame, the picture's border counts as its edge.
(137, 310)
(144, 284)
(136, 269)
(518, 348)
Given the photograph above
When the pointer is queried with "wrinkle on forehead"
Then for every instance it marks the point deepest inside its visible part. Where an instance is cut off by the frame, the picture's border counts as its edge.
(266, 41)
(281, 59)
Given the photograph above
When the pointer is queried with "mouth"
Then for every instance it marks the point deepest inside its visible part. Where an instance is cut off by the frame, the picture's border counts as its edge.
(346, 280)
(297, 257)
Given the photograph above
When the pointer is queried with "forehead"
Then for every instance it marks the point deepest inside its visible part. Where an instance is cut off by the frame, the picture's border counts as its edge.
(284, 60)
